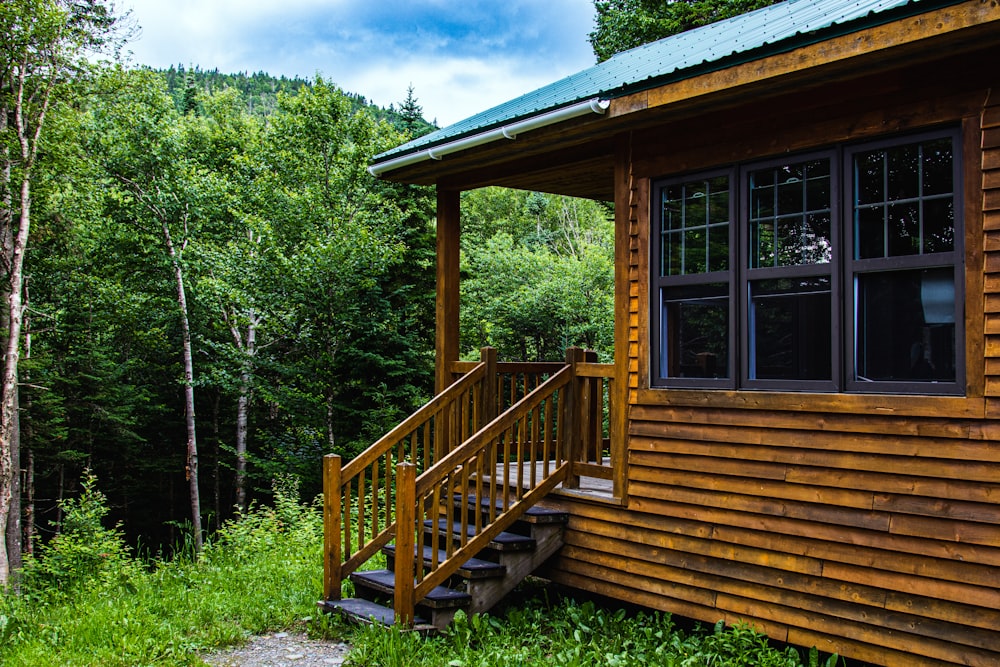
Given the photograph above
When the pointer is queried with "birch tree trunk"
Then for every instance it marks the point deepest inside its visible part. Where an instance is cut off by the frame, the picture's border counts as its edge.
(242, 413)
(188, 360)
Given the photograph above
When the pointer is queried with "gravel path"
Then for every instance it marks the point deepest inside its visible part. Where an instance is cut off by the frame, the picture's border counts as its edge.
(282, 649)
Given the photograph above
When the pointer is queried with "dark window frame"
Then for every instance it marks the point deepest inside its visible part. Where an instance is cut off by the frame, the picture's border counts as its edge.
(664, 283)
(954, 259)
(748, 275)
(844, 270)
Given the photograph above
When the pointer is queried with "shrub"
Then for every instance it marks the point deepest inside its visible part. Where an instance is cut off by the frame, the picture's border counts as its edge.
(84, 554)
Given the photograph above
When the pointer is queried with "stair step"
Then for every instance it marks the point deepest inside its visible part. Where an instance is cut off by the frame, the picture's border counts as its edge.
(474, 568)
(537, 513)
(383, 581)
(366, 611)
(502, 542)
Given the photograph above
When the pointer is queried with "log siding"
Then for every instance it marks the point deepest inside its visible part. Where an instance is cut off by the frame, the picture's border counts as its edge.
(865, 525)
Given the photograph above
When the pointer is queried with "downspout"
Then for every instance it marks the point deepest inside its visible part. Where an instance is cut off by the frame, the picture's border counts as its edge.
(510, 131)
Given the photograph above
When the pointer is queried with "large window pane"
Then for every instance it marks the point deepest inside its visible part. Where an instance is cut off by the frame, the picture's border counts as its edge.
(906, 326)
(789, 215)
(694, 227)
(790, 330)
(696, 322)
(911, 188)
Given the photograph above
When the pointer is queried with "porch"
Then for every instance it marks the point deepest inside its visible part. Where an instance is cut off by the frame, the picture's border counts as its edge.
(445, 486)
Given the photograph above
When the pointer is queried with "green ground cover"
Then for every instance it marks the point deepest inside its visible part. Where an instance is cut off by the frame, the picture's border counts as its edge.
(86, 599)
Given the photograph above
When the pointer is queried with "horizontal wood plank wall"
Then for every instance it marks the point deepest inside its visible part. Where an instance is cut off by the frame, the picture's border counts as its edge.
(876, 536)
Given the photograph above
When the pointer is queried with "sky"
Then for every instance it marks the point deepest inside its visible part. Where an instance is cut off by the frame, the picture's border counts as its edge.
(460, 56)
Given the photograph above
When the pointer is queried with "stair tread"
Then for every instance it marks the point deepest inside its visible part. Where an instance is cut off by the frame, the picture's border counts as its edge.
(503, 541)
(367, 611)
(537, 513)
(384, 581)
(472, 568)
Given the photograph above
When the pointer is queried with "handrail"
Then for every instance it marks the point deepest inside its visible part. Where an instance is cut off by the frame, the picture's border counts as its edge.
(422, 438)
(523, 437)
(504, 432)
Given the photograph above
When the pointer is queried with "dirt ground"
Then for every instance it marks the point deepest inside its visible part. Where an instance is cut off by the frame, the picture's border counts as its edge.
(281, 649)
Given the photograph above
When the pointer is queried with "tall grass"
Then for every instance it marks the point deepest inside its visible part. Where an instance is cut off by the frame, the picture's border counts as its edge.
(88, 601)
(571, 635)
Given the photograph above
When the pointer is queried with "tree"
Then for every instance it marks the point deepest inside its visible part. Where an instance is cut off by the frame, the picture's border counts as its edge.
(160, 190)
(626, 24)
(44, 43)
(539, 274)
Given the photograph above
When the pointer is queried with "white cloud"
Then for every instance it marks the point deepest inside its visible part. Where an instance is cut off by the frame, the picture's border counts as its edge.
(460, 87)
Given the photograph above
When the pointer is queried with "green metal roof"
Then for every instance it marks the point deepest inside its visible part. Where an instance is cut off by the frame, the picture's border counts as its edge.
(776, 29)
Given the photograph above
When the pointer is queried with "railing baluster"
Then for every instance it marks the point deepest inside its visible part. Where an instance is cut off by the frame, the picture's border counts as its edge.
(506, 466)
(434, 514)
(463, 503)
(547, 427)
(536, 416)
(388, 502)
(521, 426)
(375, 493)
(480, 471)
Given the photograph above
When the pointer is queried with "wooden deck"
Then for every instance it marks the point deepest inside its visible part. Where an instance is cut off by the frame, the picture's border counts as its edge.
(594, 488)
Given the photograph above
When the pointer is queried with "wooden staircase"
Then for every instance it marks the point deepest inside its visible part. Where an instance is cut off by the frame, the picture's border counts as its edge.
(477, 585)
(452, 496)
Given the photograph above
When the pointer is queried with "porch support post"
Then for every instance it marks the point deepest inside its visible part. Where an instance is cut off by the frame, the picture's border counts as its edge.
(446, 313)
(629, 196)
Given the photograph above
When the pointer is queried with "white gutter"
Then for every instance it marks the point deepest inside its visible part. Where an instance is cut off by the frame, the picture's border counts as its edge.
(511, 131)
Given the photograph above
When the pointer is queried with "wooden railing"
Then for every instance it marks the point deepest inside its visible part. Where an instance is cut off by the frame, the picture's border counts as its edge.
(498, 474)
(588, 439)
(591, 452)
(359, 499)
(504, 434)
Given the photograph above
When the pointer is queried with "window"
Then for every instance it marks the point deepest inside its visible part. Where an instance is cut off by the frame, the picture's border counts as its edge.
(839, 270)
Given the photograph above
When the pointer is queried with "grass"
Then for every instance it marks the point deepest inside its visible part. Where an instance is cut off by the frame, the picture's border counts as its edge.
(87, 600)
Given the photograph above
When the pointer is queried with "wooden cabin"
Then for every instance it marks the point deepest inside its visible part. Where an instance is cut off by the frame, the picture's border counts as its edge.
(804, 408)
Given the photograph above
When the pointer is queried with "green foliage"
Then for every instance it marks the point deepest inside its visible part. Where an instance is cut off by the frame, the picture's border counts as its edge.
(568, 634)
(260, 573)
(626, 24)
(538, 275)
(84, 555)
(279, 228)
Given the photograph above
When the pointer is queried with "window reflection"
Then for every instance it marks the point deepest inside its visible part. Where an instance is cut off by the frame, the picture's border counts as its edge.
(696, 319)
(695, 227)
(904, 200)
(906, 326)
(790, 215)
(790, 329)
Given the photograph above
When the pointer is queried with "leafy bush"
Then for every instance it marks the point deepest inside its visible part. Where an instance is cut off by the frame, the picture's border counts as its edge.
(84, 554)
(88, 601)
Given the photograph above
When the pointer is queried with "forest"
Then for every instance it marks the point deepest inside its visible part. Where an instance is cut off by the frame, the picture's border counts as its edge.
(214, 291)
(205, 291)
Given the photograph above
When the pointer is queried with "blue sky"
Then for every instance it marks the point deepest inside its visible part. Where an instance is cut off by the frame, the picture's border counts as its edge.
(460, 57)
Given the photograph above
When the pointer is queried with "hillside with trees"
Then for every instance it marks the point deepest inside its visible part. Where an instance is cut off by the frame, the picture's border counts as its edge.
(215, 292)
